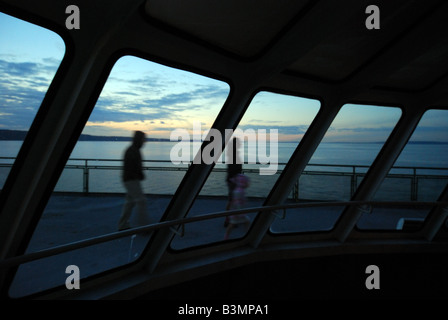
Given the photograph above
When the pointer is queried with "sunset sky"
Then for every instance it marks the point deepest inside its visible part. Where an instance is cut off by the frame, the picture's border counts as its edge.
(143, 95)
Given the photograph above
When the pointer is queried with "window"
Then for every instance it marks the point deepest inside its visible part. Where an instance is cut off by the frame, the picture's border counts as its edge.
(29, 58)
(139, 95)
(269, 132)
(419, 174)
(338, 166)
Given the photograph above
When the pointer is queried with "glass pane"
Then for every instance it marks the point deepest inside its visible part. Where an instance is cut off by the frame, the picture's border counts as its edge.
(29, 58)
(349, 147)
(90, 195)
(419, 174)
(268, 134)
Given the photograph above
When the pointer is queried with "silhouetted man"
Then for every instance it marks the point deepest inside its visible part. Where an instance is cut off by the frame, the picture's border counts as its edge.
(132, 177)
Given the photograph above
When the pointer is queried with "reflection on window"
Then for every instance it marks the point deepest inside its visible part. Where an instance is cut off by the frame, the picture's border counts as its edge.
(88, 200)
(339, 164)
(419, 174)
(29, 58)
(269, 132)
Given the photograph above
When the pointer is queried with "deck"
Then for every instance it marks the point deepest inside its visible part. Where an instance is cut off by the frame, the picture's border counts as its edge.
(70, 218)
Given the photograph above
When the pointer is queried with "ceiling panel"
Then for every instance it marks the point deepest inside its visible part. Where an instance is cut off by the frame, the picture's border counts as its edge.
(343, 53)
(241, 27)
(421, 73)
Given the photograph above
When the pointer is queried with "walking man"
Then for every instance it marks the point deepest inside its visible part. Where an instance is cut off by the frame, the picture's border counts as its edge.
(132, 177)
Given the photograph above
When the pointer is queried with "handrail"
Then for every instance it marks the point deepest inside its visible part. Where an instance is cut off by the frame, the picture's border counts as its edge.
(354, 173)
(280, 163)
(28, 257)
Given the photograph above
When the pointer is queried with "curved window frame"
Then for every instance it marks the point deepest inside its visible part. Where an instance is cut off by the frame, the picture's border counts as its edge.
(287, 95)
(116, 57)
(335, 212)
(24, 135)
(414, 218)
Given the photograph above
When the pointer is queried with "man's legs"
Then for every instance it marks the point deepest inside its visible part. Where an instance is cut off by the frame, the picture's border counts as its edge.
(134, 196)
(123, 223)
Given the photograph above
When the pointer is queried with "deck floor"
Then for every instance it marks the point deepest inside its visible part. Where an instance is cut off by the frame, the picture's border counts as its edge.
(70, 218)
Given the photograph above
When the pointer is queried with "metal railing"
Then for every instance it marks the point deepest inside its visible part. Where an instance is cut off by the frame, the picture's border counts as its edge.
(353, 172)
(28, 257)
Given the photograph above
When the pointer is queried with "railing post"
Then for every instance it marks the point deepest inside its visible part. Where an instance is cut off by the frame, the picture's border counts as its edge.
(296, 190)
(414, 185)
(86, 177)
(353, 182)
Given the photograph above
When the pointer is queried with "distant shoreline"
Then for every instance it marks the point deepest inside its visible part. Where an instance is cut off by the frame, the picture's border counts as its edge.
(19, 135)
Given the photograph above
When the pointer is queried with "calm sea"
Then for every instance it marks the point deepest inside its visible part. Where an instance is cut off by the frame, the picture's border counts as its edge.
(319, 183)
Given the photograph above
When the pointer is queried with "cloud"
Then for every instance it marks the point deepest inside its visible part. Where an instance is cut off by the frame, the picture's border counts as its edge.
(22, 88)
(133, 113)
(129, 105)
(283, 130)
(363, 129)
(151, 96)
(20, 69)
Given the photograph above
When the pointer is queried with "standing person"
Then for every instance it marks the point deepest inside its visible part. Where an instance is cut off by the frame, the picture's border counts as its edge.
(241, 182)
(234, 167)
(132, 176)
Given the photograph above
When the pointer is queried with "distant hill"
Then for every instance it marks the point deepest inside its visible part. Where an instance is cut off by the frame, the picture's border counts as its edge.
(12, 135)
(19, 135)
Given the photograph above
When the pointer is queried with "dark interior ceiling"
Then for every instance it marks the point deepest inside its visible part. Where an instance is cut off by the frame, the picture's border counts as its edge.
(331, 42)
(322, 43)
(244, 28)
(302, 46)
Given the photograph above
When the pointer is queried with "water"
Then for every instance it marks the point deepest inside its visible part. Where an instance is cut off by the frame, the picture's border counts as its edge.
(104, 176)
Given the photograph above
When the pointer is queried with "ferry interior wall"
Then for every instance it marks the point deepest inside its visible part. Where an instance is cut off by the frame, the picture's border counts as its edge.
(363, 83)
